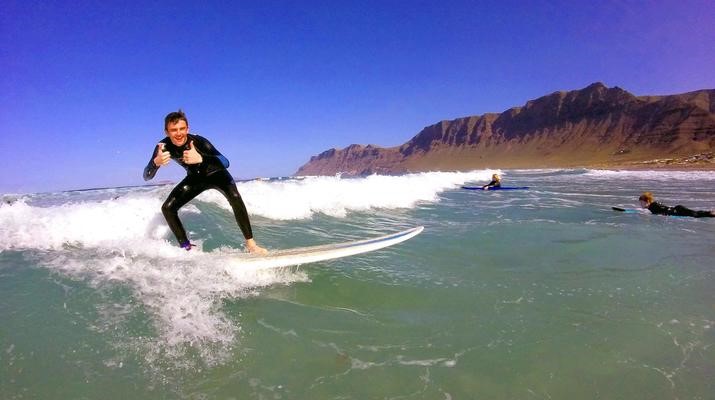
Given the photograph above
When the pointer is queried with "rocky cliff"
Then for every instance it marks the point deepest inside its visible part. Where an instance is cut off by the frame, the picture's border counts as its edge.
(593, 127)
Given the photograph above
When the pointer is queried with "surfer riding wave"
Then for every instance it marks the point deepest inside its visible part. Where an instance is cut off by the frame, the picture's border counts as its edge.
(206, 168)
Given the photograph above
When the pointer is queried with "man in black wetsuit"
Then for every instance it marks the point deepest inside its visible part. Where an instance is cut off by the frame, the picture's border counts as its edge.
(647, 201)
(205, 169)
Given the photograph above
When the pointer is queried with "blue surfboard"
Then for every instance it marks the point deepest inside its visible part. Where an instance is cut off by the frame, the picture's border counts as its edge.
(625, 210)
(496, 188)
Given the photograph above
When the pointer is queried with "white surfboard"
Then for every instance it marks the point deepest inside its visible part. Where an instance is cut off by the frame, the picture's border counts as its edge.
(306, 255)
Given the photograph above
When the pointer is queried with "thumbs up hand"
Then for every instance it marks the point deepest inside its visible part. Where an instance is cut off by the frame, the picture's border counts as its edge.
(162, 156)
(191, 156)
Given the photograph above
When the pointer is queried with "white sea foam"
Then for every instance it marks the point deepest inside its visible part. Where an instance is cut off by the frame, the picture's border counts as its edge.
(656, 175)
(101, 223)
(336, 196)
(184, 292)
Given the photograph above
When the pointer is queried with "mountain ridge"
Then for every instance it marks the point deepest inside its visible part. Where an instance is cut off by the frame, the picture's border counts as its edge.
(595, 126)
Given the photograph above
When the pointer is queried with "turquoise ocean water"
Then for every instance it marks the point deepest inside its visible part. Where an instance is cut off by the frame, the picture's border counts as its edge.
(538, 294)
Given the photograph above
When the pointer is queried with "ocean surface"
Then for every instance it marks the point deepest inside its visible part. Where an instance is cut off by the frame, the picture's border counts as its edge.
(543, 293)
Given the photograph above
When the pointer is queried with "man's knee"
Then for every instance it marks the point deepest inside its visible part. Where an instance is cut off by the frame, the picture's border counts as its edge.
(233, 196)
(168, 207)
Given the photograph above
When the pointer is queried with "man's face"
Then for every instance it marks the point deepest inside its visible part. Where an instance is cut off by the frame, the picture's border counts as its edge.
(177, 132)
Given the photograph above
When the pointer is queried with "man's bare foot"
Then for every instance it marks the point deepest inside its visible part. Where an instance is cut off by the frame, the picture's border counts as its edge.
(254, 248)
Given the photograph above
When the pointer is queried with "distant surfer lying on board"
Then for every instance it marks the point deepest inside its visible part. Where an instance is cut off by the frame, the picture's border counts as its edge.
(647, 201)
(496, 182)
(205, 169)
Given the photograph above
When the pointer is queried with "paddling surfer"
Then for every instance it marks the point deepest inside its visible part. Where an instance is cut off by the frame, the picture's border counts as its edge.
(647, 201)
(206, 168)
(496, 182)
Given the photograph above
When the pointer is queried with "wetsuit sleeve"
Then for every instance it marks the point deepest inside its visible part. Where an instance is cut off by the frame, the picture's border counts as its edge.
(211, 156)
(151, 168)
(657, 208)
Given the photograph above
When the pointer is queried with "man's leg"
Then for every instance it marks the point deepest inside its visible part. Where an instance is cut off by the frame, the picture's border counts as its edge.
(184, 192)
(684, 211)
(224, 183)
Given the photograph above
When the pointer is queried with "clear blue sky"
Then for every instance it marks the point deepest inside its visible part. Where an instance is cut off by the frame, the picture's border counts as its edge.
(85, 84)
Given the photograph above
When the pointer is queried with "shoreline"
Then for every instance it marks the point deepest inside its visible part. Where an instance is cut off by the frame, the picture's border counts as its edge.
(460, 162)
(664, 165)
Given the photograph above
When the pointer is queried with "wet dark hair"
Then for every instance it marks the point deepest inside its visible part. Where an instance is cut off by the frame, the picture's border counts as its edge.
(174, 117)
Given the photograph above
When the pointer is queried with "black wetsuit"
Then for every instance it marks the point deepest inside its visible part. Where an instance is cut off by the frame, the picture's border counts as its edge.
(494, 183)
(680, 211)
(211, 173)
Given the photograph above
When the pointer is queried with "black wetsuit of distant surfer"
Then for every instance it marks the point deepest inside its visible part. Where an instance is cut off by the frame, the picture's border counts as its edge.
(493, 183)
(680, 211)
(211, 173)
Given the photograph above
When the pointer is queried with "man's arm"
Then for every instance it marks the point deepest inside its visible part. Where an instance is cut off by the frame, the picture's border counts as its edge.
(660, 209)
(159, 158)
(209, 153)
